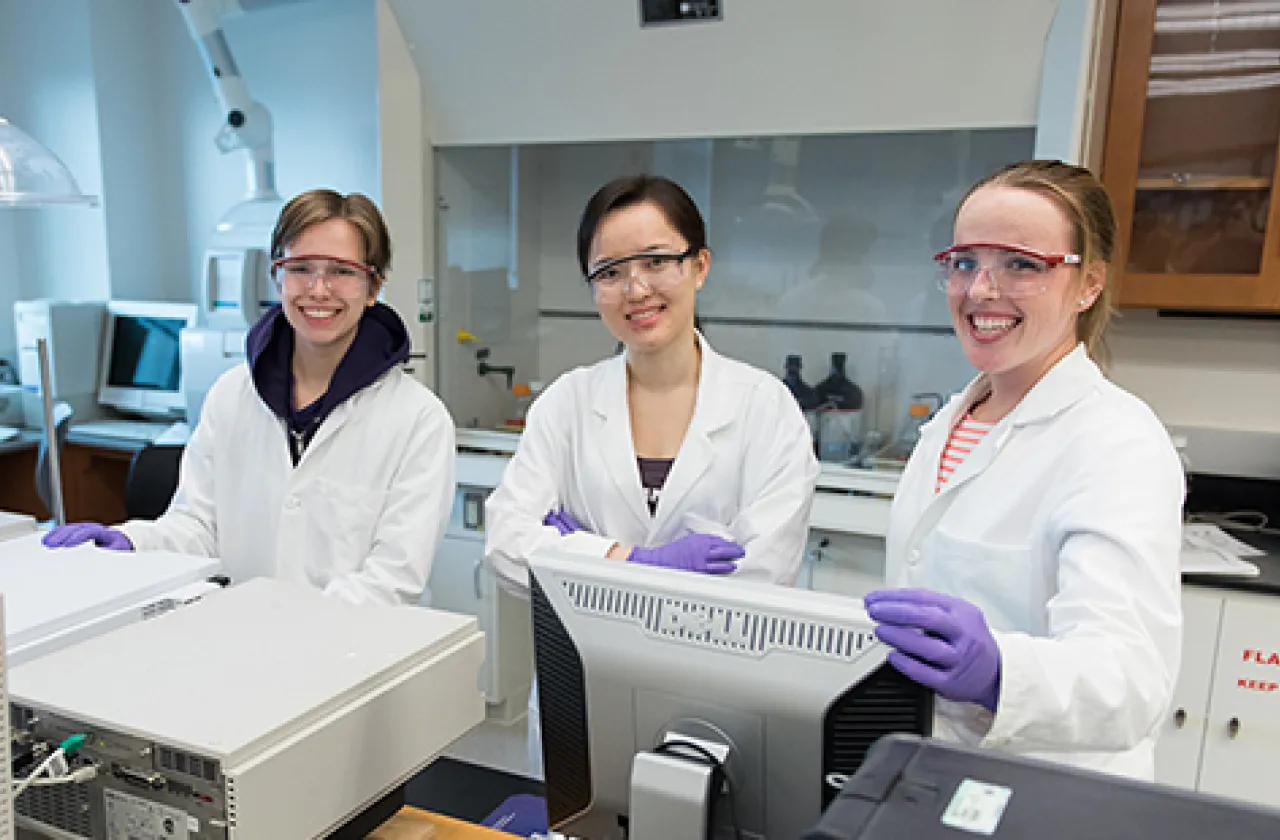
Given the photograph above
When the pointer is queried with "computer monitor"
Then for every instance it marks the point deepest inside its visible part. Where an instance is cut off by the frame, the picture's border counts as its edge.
(141, 371)
(792, 684)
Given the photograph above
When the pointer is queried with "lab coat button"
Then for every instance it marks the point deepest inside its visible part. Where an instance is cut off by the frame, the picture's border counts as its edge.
(915, 556)
(292, 503)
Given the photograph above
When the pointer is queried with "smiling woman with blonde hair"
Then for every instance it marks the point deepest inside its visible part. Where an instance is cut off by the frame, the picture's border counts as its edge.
(1034, 538)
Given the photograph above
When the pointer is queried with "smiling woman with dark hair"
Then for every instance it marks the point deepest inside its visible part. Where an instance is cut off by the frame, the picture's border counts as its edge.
(668, 454)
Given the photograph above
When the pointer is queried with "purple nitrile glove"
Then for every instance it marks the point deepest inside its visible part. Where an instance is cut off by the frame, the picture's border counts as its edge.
(692, 553)
(562, 521)
(66, 536)
(941, 642)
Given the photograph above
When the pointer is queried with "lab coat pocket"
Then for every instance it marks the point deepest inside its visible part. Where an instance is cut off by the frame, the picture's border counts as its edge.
(343, 519)
(996, 578)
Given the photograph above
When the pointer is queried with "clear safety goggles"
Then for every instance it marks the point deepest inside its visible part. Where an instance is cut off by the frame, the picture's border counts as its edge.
(297, 275)
(1012, 271)
(658, 271)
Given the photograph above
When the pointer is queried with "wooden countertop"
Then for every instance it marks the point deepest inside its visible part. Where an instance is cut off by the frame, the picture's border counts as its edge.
(415, 824)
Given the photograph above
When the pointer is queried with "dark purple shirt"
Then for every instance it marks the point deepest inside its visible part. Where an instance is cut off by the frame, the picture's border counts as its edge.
(653, 475)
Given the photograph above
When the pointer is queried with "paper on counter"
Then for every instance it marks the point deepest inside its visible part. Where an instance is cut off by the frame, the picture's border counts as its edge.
(1219, 538)
(1208, 550)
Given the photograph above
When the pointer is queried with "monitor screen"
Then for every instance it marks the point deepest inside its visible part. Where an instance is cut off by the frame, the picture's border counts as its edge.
(145, 353)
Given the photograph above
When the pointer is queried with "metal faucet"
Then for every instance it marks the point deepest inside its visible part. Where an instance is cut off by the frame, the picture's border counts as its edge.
(484, 368)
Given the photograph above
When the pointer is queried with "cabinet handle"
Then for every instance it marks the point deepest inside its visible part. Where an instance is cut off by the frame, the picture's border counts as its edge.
(1233, 727)
(475, 578)
(1180, 718)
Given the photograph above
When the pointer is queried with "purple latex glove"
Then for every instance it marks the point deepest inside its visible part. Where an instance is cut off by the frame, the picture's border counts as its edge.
(66, 536)
(692, 553)
(563, 522)
(940, 642)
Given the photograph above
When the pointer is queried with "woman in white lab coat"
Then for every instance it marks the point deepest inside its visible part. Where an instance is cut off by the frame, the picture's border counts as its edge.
(668, 454)
(319, 461)
(1036, 530)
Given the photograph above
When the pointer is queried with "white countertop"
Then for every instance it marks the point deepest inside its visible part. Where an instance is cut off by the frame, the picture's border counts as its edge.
(833, 477)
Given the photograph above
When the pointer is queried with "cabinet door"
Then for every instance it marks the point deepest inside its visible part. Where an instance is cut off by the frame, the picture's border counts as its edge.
(1182, 735)
(1190, 158)
(843, 564)
(459, 584)
(1242, 740)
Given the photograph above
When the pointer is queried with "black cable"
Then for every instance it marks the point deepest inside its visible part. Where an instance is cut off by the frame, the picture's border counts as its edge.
(711, 760)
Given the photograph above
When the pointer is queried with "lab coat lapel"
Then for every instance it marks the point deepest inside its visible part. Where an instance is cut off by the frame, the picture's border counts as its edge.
(933, 441)
(613, 418)
(329, 427)
(712, 411)
(1067, 382)
(1074, 376)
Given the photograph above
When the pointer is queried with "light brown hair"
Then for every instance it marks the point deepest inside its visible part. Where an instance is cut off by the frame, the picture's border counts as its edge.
(318, 206)
(1084, 201)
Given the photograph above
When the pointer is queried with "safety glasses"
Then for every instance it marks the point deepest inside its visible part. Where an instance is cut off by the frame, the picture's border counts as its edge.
(658, 271)
(298, 274)
(1013, 271)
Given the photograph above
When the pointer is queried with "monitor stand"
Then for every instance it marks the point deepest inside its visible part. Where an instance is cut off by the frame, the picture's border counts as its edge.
(675, 788)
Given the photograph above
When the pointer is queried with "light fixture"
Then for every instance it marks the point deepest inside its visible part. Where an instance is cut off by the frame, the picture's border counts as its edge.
(33, 176)
(254, 216)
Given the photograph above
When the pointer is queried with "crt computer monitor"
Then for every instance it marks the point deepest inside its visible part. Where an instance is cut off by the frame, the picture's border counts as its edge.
(793, 681)
(141, 370)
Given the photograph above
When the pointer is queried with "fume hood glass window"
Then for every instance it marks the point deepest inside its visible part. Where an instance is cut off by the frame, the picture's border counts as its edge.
(820, 245)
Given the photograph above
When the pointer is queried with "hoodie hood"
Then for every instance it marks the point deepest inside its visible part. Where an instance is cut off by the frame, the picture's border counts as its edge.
(381, 343)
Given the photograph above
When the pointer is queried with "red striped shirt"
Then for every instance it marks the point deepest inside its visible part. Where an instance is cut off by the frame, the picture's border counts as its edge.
(964, 438)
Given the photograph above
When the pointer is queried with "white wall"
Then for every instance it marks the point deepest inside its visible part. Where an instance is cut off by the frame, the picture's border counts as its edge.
(1215, 380)
(49, 93)
(314, 65)
(408, 190)
(565, 70)
(117, 89)
(10, 276)
(142, 201)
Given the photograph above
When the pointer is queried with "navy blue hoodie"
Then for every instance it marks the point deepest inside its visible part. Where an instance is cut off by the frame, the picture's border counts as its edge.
(381, 343)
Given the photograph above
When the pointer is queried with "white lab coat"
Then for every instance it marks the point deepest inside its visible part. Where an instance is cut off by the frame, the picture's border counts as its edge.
(1064, 527)
(745, 472)
(361, 515)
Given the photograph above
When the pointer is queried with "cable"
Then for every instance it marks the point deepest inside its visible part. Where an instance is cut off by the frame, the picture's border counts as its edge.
(21, 786)
(68, 747)
(78, 776)
(708, 758)
(1252, 521)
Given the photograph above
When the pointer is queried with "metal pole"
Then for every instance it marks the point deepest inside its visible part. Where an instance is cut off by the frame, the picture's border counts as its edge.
(51, 434)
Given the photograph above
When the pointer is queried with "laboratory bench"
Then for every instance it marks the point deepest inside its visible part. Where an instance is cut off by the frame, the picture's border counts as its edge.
(93, 477)
(17, 475)
(416, 824)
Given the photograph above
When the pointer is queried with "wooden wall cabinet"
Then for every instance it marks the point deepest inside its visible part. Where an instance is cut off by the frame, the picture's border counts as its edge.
(1193, 133)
